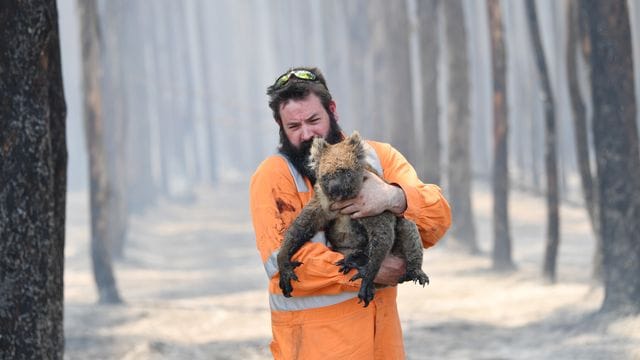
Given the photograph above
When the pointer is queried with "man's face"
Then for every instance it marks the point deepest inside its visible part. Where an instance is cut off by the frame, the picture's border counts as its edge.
(303, 119)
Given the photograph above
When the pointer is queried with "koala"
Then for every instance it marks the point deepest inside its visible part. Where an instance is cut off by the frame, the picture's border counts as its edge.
(340, 172)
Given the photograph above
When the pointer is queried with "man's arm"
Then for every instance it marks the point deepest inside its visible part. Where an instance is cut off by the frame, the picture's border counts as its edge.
(274, 204)
(405, 195)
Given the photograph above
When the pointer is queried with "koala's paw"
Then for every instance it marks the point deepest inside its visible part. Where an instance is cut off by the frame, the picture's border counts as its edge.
(417, 276)
(366, 293)
(352, 261)
(286, 276)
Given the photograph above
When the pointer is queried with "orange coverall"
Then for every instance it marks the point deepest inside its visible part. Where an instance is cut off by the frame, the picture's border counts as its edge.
(323, 319)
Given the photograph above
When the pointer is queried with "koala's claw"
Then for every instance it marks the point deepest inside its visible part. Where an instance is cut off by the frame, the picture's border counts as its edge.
(286, 275)
(344, 267)
(366, 293)
(359, 275)
(353, 261)
(417, 276)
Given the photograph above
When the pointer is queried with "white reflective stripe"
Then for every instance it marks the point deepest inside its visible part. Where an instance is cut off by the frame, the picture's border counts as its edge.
(271, 265)
(297, 177)
(372, 158)
(279, 302)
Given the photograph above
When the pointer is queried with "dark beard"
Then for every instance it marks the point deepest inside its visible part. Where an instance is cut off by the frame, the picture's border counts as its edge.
(299, 157)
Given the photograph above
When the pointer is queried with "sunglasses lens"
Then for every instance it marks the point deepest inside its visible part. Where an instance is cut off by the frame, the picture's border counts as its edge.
(282, 80)
(300, 74)
(304, 75)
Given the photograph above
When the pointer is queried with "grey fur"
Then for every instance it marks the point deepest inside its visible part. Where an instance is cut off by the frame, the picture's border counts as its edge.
(365, 242)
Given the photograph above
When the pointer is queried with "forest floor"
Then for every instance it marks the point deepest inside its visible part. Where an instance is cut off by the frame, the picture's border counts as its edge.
(194, 288)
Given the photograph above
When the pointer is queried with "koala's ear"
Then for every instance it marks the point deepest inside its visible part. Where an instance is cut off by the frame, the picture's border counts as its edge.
(317, 147)
(356, 142)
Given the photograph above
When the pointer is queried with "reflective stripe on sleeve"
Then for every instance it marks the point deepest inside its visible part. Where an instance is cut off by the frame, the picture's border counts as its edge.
(279, 302)
(271, 265)
(372, 158)
(297, 177)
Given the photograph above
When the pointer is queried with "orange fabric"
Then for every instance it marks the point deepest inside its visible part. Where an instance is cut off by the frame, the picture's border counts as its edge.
(342, 331)
(346, 328)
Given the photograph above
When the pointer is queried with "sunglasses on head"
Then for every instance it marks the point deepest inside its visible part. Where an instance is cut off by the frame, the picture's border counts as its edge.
(300, 74)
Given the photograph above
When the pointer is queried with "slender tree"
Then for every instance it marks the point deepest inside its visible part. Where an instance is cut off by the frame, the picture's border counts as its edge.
(463, 232)
(550, 157)
(33, 181)
(587, 178)
(118, 99)
(502, 238)
(428, 19)
(141, 187)
(615, 136)
(390, 41)
(94, 126)
(205, 70)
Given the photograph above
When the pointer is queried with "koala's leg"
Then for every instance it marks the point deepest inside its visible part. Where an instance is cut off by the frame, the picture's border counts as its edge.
(380, 234)
(409, 246)
(310, 220)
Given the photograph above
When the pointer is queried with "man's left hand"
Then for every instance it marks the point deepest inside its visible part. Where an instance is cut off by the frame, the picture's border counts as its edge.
(375, 197)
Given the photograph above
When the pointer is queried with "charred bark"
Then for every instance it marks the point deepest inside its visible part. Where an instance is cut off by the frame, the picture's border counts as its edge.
(587, 179)
(33, 180)
(615, 136)
(550, 156)
(99, 183)
(463, 231)
(502, 238)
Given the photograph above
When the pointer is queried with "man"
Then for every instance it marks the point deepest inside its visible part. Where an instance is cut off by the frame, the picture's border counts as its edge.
(323, 319)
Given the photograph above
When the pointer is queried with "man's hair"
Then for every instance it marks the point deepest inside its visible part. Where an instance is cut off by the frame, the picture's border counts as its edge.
(298, 89)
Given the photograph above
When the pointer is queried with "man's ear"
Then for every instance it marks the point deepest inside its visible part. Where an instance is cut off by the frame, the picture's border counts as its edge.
(317, 147)
(332, 108)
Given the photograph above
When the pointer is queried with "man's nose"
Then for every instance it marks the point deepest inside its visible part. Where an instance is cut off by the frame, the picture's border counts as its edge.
(307, 133)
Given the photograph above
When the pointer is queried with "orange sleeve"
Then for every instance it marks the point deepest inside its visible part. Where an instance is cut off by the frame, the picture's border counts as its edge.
(426, 206)
(274, 204)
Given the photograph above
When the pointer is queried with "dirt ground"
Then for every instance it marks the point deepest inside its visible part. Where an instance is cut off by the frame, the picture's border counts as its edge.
(194, 288)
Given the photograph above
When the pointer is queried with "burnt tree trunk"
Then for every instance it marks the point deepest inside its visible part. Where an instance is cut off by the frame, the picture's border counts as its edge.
(550, 156)
(33, 182)
(463, 231)
(615, 136)
(98, 180)
(587, 180)
(429, 53)
(502, 259)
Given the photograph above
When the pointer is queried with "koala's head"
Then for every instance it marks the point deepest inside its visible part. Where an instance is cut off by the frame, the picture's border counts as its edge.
(340, 167)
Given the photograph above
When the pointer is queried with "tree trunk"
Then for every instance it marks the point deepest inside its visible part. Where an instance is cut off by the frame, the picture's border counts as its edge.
(141, 187)
(390, 40)
(33, 174)
(463, 232)
(551, 167)
(429, 53)
(117, 98)
(587, 180)
(615, 136)
(502, 238)
(206, 61)
(99, 185)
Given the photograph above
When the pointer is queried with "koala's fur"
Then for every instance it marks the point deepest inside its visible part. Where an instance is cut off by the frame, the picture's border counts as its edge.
(340, 171)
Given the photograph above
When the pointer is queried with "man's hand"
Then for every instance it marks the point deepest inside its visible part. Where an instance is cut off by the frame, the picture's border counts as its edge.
(375, 197)
(391, 270)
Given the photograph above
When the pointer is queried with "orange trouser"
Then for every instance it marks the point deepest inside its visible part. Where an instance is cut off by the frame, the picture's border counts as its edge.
(343, 331)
